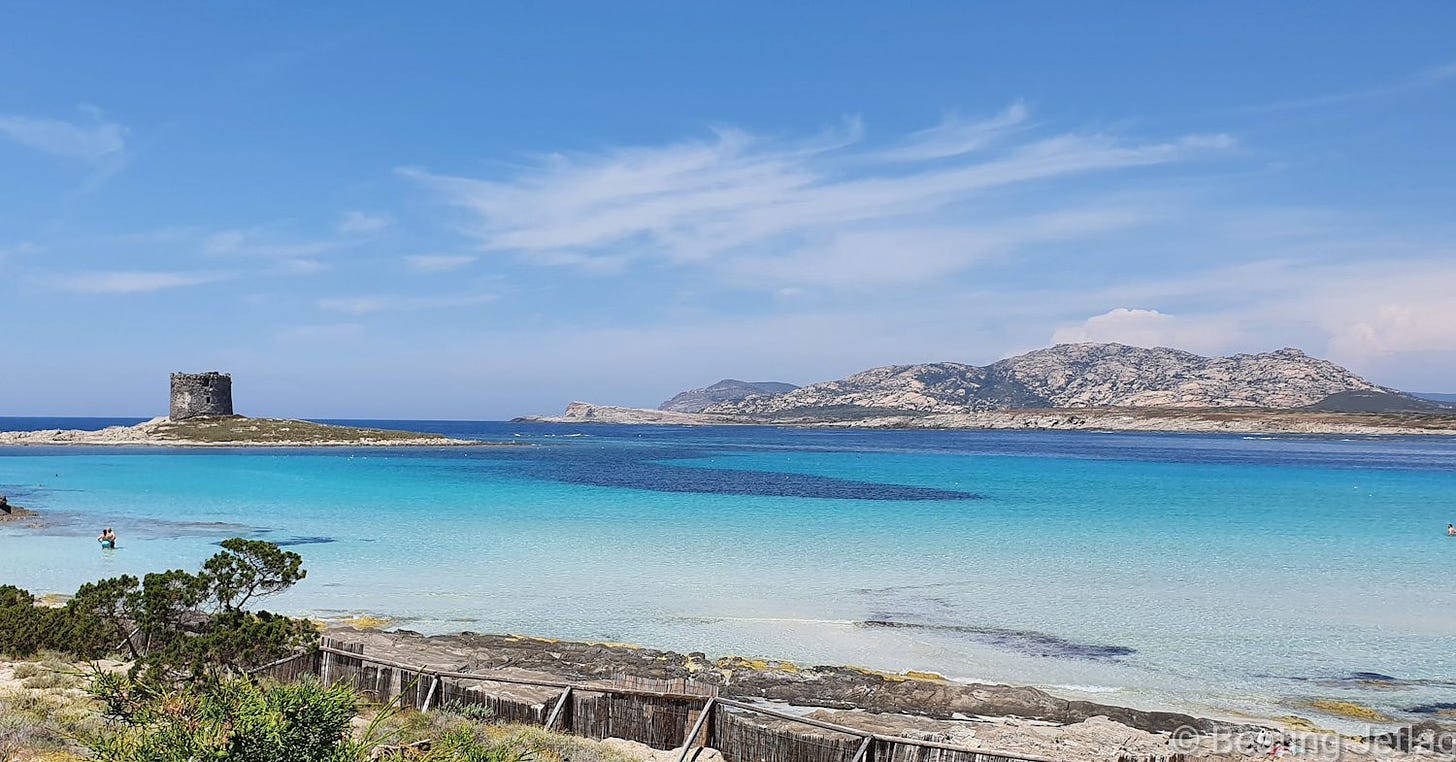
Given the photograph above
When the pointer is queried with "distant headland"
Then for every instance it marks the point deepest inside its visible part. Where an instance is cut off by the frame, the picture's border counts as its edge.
(1099, 387)
(201, 414)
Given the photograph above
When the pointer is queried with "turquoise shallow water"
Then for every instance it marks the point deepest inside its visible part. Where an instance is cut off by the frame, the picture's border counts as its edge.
(1197, 572)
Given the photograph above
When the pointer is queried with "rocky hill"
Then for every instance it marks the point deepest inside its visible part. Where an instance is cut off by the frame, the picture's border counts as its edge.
(1088, 376)
(727, 390)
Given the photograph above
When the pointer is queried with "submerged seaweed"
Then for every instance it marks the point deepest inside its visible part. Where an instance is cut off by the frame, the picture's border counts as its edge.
(1027, 642)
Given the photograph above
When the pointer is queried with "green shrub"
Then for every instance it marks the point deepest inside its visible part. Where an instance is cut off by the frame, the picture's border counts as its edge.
(465, 744)
(231, 719)
(473, 712)
(26, 628)
(173, 624)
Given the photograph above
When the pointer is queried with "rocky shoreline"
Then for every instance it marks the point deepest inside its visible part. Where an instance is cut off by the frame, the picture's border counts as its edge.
(1007, 718)
(235, 431)
(14, 513)
(1170, 420)
(831, 687)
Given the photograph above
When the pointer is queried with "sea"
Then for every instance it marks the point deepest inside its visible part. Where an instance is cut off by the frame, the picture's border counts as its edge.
(1226, 575)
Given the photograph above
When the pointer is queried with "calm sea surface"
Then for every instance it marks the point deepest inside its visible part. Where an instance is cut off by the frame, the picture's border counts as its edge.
(1175, 571)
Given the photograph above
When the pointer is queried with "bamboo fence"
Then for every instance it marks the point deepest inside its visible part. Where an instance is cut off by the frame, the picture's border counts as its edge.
(661, 714)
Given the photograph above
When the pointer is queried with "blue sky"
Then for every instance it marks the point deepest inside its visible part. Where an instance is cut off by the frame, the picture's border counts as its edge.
(477, 211)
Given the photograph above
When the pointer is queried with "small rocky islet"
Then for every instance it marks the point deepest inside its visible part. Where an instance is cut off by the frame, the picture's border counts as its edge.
(201, 414)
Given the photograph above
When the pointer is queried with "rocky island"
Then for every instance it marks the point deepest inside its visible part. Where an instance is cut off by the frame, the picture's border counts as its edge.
(232, 431)
(1106, 387)
(202, 415)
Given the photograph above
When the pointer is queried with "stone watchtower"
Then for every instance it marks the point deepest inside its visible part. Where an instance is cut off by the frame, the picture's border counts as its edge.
(196, 395)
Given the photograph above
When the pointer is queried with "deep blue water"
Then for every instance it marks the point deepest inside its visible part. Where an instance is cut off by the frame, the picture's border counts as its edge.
(1216, 572)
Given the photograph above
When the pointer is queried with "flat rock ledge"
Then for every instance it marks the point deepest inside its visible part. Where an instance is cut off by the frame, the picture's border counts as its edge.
(235, 431)
(830, 687)
(16, 514)
(999, 719)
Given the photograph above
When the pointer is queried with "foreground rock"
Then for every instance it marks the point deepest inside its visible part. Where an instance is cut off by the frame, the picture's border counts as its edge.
(9, 513)
(232, 431)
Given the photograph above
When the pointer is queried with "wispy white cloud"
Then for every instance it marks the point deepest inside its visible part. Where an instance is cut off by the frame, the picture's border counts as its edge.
(18, 250)
(738, 201)
(1379, 316)
(438, 263)
(257, 243)
(1426, 78)
(133, 281)
(955, 135)
(365, 305)
(1151, 328)
(354, 223)
(907, 254)
(301, 266)
(93, 139)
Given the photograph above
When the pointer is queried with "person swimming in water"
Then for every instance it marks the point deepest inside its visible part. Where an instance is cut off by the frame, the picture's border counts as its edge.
(1451, 530)
(107, 538)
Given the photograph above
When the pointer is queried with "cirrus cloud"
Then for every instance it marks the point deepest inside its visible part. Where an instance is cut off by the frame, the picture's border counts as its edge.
(93, 139)
(133, 281)
(438, 263)
(737, 200)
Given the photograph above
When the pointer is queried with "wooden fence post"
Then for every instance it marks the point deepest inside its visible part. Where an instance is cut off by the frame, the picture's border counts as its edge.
(556, 710)
(863, 755)
(711, 727)
(697, 728)
(430, 695)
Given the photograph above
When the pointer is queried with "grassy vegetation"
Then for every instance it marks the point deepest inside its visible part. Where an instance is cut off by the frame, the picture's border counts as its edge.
(276, 430)
(57, 713)
(186, 696)
(502, 742)
(45, 711)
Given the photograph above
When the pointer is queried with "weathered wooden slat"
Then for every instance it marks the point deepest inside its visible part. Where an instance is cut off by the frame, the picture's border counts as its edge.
(496, 678)
(556, 710)
(697, 728)
(656, 718)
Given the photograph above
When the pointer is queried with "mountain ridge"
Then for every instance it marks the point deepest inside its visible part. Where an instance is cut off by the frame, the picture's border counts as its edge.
(1091, 375)
(727, 390)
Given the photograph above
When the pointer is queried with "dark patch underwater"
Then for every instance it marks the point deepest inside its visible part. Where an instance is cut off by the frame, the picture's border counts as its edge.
(640, 470)
(1022, 641)
(284, 542)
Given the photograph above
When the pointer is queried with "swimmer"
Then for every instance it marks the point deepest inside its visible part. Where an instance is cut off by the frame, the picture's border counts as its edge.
(107, 538)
